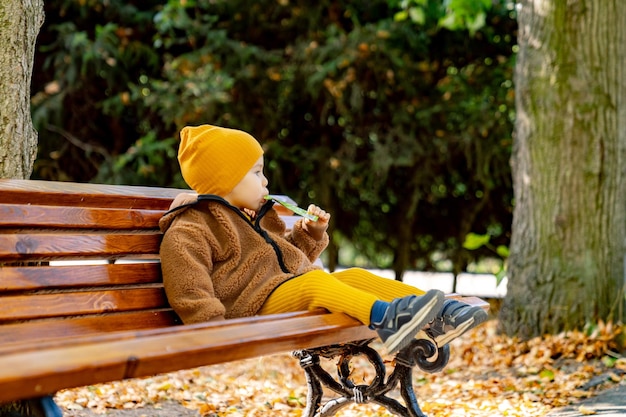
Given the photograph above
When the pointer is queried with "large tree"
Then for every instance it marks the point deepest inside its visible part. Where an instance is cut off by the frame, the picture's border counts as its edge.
(566, 267)
(20, 21)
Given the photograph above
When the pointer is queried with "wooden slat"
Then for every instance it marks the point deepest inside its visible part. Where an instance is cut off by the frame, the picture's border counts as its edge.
(31, 278)
(115, 326)
(34, 306)
(12, 215)
(29, 374)
(40, 334)
(33, 246)
(99, 328)
(85, 195)
(53, 333)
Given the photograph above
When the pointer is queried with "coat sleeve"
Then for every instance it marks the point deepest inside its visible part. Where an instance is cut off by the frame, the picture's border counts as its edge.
(297, 236)
(301, 239)
(187, 264)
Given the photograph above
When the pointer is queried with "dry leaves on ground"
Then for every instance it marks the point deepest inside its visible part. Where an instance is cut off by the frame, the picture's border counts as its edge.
(488, 374)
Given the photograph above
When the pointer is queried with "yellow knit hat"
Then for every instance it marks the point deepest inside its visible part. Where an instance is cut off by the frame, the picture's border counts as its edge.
(214, 159)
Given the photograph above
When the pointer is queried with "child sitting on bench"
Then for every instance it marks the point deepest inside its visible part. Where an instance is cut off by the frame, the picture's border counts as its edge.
(226, 253)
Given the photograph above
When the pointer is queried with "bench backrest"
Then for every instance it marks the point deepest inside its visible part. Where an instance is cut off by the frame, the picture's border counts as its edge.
(110, 235)
(113, 232)
(80, 260)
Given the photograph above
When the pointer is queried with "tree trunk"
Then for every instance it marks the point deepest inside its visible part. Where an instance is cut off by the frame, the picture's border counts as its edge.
(404, 223)
(566, 267)
(20, 21)
(404, 236)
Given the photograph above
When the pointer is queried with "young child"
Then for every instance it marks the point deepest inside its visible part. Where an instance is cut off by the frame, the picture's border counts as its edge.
(226, 253)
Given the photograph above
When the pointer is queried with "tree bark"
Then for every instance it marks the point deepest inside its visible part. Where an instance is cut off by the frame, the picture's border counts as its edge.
(20, 21)
(566, 267)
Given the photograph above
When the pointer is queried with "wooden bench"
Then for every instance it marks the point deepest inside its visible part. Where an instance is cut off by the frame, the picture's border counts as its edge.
(106, 318)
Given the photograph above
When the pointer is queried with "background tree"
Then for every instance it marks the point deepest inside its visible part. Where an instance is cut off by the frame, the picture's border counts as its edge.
(566, 267)
(19, 25)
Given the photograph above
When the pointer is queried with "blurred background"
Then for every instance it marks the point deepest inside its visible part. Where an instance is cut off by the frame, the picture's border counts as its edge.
(388, 116)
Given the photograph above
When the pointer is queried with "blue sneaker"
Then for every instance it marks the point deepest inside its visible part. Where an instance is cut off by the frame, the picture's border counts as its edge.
(405, 317)
(454, 319)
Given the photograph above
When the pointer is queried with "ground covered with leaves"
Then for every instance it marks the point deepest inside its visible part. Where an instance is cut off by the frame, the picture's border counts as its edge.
(487, 375)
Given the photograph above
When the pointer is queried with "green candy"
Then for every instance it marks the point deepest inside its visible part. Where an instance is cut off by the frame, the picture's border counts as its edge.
(299, 211)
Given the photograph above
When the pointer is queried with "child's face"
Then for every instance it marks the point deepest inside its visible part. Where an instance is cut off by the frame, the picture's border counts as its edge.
(249, 193)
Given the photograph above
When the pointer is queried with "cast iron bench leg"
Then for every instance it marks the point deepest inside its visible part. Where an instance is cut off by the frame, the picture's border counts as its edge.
(421, 352)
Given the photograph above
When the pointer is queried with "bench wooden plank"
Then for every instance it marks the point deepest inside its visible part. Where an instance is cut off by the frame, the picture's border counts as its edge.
(92, 328)
(30, 278)
(116, 327)
(86, 195)
(30, 374)
(40, 334)
(35, 306)
(13, 215)
(46, 246)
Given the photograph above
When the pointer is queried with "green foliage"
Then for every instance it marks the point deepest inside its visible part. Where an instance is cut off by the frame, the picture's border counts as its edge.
(454, 15)
(475, 241)
(142, 163)
(397, 125)
(465, 14)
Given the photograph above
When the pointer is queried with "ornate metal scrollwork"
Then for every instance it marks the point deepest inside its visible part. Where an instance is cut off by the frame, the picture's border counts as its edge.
(422, 352)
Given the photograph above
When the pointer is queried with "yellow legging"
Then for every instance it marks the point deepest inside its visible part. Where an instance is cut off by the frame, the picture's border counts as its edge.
(352, 291)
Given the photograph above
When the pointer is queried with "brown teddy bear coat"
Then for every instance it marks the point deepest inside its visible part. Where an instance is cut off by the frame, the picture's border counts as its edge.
(217, 263)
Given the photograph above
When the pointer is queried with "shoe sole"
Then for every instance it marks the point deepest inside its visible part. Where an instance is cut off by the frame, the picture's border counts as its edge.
(454, 333)
(406, 333)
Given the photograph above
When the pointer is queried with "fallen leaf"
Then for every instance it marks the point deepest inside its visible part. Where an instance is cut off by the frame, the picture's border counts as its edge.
(586, 411)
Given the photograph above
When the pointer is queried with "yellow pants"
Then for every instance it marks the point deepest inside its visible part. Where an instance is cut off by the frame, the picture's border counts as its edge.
(352, 291)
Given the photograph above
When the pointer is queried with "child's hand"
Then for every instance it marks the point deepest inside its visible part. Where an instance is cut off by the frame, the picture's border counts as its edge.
(317, 228)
